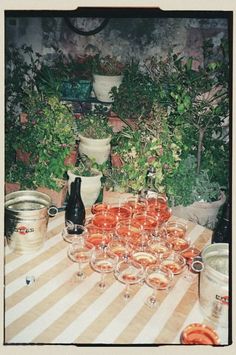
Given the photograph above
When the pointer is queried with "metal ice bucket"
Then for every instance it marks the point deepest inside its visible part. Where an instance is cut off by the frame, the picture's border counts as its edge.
(26, 219)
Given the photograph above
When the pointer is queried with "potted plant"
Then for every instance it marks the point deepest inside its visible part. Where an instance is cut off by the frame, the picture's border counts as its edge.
(107, 73)
(198, 105)
(49, 136)
(90, 173)
(94, 133)
(69, 78)
(152, 144)
(194, 196)
(134, 98)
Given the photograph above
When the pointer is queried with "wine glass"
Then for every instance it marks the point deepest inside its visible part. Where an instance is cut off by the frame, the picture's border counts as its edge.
(147, 221)
(175, 229)
(180, 244)
(104, 262)
(80, 251)
(120, 248)
(127, 231)
(157, 277)
(129, 272)
(99, 237)
(193, 265)
(175, 262)
(99, 207)
(119, 211)
(104, 220)
(160, 247)
(73, 231)
(137, 205)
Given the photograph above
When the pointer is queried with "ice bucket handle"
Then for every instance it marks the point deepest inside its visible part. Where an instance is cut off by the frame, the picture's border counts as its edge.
(197, 264)
(52, 211)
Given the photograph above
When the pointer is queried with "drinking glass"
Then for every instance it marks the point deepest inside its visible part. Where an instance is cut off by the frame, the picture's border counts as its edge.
(157, 277)
(73, 231)
(120, 248)
(80, 251)
(148, 222)
(160, 247)
(128, 231)
(99, 237)
(119, 211)
(104, 262)
(193, 265)
(144, 257)
(159, 232)
(99, 207)
(137, 205)
(129, 272)
(175, 262)
(175, 229)
(180, 244)
(104, 220)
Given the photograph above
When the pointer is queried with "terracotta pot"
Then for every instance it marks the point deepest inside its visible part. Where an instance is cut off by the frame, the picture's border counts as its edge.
(116, 160)
(117, 124)
(71, 158)
(11, 187)
(58, 197)
(23, 118)
(23, 156)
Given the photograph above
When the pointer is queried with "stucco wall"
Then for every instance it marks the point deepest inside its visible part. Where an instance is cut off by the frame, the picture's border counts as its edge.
(124, 37)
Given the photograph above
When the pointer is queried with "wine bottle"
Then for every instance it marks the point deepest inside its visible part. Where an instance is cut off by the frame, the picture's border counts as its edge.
(150, 190)
(75, 211)
(222, 231)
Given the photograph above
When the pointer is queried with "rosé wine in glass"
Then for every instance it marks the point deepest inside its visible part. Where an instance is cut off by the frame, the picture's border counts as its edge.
(175, 229)
(80, 251)
(174, 262)
(103, 261)
(157, 277)
(129, 272)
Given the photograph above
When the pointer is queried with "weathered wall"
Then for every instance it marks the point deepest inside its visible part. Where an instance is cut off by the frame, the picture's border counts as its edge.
(124, 37)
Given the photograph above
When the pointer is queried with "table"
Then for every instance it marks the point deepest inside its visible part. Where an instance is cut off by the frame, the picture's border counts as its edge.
(57, 309)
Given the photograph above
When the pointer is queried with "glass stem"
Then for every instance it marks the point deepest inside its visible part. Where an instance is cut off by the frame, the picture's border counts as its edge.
(126, 292)
(102, 281)
(79, 272)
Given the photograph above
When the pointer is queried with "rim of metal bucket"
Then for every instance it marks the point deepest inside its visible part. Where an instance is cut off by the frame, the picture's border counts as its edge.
(216, 246)
(19, 196)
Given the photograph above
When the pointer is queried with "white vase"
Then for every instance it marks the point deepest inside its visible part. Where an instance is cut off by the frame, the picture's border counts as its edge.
(90, 187)
(102, 85)
(203, 213)
(98, 149)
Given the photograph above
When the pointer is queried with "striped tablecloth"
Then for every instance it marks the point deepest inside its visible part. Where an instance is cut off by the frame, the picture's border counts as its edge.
(57, 309)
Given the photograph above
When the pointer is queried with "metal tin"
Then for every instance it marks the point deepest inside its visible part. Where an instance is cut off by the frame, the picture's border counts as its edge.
(199, 334)
(213, 286)
(26, 220)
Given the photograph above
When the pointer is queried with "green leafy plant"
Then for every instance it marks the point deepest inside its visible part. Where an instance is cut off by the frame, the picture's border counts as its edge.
(108, 65)
(94, 124)
(135, 95)
(185, 187)
(88, 167)
(49, 136)
(198, 103)
(152, 144)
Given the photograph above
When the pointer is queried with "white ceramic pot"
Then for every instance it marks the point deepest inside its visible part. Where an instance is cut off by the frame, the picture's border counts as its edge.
(102, 85)
(90, 187)
(203, 213)
(98, 149)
